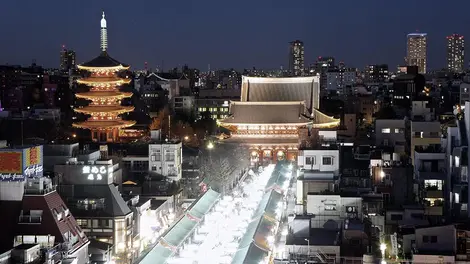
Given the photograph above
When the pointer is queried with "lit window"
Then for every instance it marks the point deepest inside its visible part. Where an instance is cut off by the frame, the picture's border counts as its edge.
(386, 130)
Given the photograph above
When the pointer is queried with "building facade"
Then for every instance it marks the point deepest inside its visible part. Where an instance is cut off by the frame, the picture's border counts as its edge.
(88, 190)
(296, 58)
(165, 158)
(273, 115)
(67, 59)
(417, 51)
(455, 53)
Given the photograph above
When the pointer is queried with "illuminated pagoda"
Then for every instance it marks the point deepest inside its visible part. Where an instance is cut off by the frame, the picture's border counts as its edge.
(274, 115)
(104, 109)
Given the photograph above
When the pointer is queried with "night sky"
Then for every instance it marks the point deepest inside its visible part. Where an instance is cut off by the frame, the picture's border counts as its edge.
(224, 34)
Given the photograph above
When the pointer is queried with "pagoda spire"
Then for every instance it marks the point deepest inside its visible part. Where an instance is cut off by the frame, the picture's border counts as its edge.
(104, 34)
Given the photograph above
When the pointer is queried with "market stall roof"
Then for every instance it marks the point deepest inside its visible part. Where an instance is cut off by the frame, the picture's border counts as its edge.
(269, 204)
(254, 245)
(204, 204)
(250, 254)
(158, 255)
(183, 228)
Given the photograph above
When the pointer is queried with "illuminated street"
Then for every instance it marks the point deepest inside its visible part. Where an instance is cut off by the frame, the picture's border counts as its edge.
(216, 241)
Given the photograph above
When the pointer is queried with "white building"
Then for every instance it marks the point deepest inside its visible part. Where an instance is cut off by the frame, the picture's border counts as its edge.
(318, 168)
(165, 158)
(438, 244)
(456, 146)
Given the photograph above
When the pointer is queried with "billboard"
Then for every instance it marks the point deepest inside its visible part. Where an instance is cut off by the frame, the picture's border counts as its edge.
(16, 164)
(32, 162)
(11, 161)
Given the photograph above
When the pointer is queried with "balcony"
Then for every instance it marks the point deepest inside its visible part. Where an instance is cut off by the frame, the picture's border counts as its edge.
(37, 191)
(433, 210)
(433, 192)
(30, 219)
(430, 175)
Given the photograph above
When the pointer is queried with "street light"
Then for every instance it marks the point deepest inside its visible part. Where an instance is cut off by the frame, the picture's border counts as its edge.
(186, 138)
(210, 145)
(308, 248)
(382, 250)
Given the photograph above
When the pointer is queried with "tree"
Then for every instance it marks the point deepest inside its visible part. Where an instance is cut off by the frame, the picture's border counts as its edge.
(184, 132)
(205, 126)
(161, 121)
(221, 167)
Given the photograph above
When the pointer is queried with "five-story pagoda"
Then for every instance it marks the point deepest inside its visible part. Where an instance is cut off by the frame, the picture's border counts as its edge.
(104, 95)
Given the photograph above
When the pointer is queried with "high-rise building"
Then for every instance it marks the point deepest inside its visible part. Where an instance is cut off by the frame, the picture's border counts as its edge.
(416, 51)
(321, 67)
(296, 58)
(67, 59)
(455, 53)
(105, 108)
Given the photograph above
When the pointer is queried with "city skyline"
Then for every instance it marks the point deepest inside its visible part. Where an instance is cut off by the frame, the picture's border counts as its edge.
(157, 36)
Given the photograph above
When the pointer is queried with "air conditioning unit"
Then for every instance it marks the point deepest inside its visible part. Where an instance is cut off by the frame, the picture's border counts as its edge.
(464, 174)
(351, 209)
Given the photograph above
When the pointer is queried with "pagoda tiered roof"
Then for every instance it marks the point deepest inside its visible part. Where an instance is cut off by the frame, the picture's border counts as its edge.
(103, 62)
(115, 109)
(103, 95)
(103, 124)
(112, 80)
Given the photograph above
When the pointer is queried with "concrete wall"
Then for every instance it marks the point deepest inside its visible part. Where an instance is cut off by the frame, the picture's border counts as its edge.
(317, 157)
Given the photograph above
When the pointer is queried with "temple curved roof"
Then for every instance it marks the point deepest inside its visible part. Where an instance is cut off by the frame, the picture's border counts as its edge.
(104, 124)
(118, 109)
(255, 113)
(103, 94)
(263, 89)
(103, 61)
(276, 113)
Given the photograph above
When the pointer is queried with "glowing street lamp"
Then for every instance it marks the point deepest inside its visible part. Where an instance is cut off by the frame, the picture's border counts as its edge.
(210, 145)
(308, 248)
(382, 250)
(186, 138)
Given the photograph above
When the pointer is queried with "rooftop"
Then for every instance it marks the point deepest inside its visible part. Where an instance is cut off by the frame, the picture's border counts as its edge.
(267, 113)
(318, 237)
(103, 61)
(54, 219)
(107, 201)
(261, 89)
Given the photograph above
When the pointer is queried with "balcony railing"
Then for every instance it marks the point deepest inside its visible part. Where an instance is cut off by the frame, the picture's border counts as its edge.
(434, 193)
(429, 149)
(430, 175)
(30, 219)
(36, 191)
(433, 210)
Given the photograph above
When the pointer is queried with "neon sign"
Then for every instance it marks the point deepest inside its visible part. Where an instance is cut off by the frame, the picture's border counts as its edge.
(94, 172)
(33, 170)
